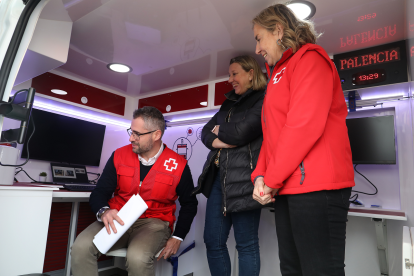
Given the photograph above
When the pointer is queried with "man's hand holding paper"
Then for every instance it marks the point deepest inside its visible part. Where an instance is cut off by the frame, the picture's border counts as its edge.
(108, 219)
(130, 212)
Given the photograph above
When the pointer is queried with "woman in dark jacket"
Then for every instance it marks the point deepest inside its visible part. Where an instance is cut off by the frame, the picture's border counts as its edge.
(234, 137)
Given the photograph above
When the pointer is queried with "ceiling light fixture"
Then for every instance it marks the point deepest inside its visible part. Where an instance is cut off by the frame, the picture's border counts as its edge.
(304, 10)
(59, 92)
(118, 67)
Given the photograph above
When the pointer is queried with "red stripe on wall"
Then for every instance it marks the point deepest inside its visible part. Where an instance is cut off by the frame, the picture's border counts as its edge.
(179, 100)
(97, 98)
(221, 88)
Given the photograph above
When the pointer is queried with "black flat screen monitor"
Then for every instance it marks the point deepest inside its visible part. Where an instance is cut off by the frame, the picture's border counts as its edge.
(372, 140)
(64, 139)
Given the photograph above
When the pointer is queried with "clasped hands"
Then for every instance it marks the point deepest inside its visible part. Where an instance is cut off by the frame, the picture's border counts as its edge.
(262, 193)
(171, 247)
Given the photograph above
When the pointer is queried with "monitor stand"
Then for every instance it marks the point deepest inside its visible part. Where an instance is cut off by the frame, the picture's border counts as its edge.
(9, 156)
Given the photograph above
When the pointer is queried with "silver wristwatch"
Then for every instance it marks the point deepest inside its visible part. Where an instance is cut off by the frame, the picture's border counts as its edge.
(102, 211)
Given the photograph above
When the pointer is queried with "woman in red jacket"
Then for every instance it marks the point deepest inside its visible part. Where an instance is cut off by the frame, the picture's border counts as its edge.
(305, 156)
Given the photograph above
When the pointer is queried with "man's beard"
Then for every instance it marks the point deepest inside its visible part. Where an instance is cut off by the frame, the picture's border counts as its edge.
(140, 149)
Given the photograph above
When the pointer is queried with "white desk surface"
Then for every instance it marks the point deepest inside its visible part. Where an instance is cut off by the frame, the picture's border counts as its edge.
(27, 188)
(58, 195)
(70, 196)
(373, 213)
(62, 195)
(377, 213)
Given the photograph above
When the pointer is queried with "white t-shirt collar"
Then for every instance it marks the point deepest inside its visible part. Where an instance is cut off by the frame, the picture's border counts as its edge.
(153, 159)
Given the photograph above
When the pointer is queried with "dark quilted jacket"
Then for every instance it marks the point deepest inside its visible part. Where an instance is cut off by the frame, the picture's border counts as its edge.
(240, 125)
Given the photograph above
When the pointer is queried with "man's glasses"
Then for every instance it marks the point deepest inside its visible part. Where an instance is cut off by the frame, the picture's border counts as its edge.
(137, 135)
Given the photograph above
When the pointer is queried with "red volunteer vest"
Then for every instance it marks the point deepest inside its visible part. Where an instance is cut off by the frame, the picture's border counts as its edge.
(158, 187)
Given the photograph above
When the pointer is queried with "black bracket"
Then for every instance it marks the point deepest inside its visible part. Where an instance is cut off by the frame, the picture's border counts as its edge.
(351, 101)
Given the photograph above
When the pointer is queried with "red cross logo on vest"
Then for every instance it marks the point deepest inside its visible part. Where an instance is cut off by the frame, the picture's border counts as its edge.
(278, 76)
(170, 164)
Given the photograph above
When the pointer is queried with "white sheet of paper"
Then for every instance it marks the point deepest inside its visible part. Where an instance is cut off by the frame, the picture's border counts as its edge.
(131, 211)
(159, 252)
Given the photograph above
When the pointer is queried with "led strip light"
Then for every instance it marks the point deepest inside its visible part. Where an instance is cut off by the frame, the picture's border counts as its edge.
(80, 114)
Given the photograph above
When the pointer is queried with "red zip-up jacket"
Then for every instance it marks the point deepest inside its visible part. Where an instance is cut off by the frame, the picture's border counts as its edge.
(305, 139)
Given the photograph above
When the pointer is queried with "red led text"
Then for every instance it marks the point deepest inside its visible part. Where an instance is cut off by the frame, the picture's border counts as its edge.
(369, 59)
(367, 16)
(364, 37)
(369, 77)
(412, 51)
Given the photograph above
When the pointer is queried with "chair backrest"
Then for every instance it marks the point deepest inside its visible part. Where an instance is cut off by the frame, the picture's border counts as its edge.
(117, 253)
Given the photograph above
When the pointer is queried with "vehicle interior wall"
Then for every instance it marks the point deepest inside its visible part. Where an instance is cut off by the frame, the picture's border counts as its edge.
(394, 182)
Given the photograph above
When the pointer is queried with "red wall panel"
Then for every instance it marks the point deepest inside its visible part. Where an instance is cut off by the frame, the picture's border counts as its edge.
(57, 236)
(86, 218)
(221, 88)
(179, 100)
(97, 98)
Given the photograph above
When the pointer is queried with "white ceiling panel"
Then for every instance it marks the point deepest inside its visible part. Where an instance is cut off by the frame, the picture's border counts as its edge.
(174, 43)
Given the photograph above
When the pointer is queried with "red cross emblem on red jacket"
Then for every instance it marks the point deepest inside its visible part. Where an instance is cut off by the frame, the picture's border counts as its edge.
(170, 164)
(278, 76)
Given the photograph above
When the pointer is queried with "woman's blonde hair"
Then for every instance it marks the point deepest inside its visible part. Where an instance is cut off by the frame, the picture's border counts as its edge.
(248, 63)
(296, 32)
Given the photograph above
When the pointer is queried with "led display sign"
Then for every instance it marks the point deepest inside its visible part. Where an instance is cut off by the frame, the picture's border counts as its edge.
(368, 77)
(380, 65)
(364, 37)
(367, 17)
(410, 44)
(370, 59)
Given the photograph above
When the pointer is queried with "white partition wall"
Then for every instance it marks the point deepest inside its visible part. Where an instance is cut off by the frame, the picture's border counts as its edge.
(24, 228)
(196, 259)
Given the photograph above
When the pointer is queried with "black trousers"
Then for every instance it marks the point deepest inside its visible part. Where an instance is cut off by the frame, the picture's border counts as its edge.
(311, 230)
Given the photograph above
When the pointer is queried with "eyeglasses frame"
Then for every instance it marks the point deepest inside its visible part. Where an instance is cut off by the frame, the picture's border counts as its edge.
(137, 135)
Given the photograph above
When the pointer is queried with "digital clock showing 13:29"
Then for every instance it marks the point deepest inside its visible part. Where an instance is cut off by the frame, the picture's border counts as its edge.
(369, 77)
(379, 65)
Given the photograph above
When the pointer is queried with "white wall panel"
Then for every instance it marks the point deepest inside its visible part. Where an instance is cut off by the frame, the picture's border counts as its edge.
(197, 262)
(384, 177)
(24, 229)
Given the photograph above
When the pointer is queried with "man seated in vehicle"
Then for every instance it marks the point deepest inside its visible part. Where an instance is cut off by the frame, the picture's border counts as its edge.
(159, 175)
